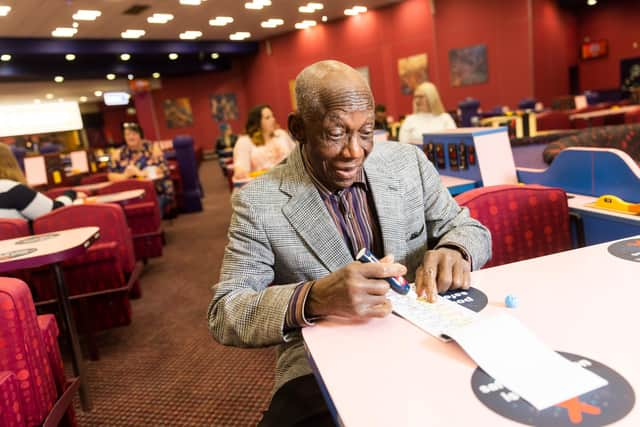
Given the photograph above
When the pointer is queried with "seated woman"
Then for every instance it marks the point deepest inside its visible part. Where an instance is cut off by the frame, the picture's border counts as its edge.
(17, 199)
(264, 145)
(141, 158)
(428, 115)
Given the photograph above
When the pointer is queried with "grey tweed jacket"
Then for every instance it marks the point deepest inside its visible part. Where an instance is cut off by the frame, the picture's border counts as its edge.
(281, 234)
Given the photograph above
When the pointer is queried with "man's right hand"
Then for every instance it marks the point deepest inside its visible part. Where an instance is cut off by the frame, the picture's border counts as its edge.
(356, 290)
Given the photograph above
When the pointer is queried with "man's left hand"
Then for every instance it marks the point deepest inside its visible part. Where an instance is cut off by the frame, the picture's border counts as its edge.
(442, 269)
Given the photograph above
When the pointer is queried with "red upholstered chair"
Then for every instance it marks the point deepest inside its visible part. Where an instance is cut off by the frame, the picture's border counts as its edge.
(56, 192)
(553, 120)
(26, 351)
(101, 281)
(11, 411)
(95, 178)
(143, 217)
(525, 221)
(10, 229)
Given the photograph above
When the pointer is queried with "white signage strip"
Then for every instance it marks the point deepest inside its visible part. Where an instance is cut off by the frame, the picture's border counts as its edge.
(29, 119)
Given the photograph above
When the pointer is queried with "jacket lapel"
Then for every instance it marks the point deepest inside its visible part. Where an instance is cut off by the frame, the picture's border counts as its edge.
(388, 200)
(308, 215)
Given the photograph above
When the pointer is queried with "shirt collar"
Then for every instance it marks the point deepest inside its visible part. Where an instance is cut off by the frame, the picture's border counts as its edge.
(360, 179)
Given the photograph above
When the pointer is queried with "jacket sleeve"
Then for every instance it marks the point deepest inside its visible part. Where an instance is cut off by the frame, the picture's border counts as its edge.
(448, 223)
(245, 311)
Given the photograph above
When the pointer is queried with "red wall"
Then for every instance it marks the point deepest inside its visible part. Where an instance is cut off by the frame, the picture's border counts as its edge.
(555, 49)
(198, 88)
(619, 23)
(376, 40)
(113, 118)
(502, 27)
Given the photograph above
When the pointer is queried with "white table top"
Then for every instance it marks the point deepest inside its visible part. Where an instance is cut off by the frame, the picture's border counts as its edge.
(387, 372)
(41, 249)
(601, 113)
(92, 187)
(122, 196)
(579, 202)
(452, 181)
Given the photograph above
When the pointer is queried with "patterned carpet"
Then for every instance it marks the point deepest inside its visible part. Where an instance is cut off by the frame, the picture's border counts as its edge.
(164, 369)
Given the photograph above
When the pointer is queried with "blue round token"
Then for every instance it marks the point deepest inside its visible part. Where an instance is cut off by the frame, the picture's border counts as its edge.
(511, 301)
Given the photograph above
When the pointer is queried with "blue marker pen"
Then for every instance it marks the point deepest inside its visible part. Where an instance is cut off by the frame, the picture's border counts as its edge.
(398, 283)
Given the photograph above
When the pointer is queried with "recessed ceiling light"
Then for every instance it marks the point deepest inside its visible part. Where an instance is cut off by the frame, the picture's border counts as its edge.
(191, 2)
(159, 18)
(37, 101)
(220, 21)
(155, 75)
(86, 15)
(190, 35)
(4, 10)
(75, 25)
(240, 35)
(70, 57)
(305, 24)
(125, 57)
(592, 2)
(98, 93)
(64, 32)
(5, 57)
(58, 79)
(272, 23)
(83, 99)
(306, 9)
(257, 4)
(173, 56)
(130, 76)
(316, 6)
(215, 55)
(132, 34)
(111, 76)
(49, 96)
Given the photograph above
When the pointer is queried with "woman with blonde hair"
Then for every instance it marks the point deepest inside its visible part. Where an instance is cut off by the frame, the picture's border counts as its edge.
(17, 199)
(263, 146)
(428, 115)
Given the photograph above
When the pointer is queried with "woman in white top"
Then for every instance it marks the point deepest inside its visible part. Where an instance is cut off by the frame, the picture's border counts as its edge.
(428, 115)
(263, 146)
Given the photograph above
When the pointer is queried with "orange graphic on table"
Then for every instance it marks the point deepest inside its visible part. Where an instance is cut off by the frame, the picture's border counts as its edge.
(634, 243)
(575, 408)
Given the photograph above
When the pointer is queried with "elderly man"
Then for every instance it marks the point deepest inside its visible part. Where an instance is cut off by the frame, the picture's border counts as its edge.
(296, 230)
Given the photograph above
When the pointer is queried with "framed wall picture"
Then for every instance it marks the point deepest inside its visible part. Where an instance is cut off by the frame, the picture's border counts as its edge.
(178, 113)
(224, 107)
(468, 65)
(412, 71)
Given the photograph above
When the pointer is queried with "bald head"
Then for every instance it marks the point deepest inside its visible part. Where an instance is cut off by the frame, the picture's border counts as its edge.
(328, 85)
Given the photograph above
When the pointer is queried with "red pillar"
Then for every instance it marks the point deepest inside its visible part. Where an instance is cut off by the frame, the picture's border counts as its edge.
(146, 115)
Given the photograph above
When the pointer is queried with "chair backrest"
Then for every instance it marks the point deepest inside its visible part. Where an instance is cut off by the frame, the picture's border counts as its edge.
(149, 188)
(11, 228)
(56, 192)
(23, 351)
(525, 221)
(109, 217)
(95, 178)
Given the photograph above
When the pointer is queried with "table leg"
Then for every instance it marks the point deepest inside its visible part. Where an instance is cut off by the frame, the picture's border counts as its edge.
(76, 353)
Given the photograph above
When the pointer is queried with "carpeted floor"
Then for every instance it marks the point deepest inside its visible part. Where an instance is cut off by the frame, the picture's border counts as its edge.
(164, 369)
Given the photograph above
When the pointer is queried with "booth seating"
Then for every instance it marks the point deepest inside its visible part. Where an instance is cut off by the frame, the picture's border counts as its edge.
(33, 387)
(176, 178)
(101, 281)
(553, 120)
(624, 137)
(56, 192)
(469, 108)
(525, 221)
(95, 178)
(186, 158)
(143, 217)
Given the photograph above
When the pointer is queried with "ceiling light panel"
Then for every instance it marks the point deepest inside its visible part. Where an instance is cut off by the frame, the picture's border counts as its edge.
(272, 23)
(190, 35)
(5, 57)
(239, 35)
(257, 4)
(86, 15)
(310, 7)
(159, 18)
(220, 21)
(4, 10)
(307, 23)
(191, 2)
(132, 34)
(64, 32)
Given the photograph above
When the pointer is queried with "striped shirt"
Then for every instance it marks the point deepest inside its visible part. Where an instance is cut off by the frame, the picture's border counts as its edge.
(353, 211)
(21, 202)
